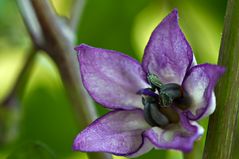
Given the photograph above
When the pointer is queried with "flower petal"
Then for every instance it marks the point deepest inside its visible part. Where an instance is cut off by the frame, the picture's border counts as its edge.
(119, 132)
(168, 53)
(176, 136)
(111, 78)
(199, 83)
(147, 146)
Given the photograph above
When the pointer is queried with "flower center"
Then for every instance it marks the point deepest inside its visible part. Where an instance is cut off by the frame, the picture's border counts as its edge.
(159, 100)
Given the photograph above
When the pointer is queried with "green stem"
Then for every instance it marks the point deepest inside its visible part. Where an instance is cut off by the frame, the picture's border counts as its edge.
(51, 34)
(76, 13)
(59, 46)
(222, 123)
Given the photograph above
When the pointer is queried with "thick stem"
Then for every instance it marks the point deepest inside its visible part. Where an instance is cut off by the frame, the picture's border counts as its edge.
(30, 20)
(61, 51)
(222, 123)
(60, 48)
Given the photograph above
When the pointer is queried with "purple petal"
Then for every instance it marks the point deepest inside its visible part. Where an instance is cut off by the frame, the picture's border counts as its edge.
(176, 136)
(199, 83)
(168, 53)
(147, 146)
(111, 78)
(118, 132)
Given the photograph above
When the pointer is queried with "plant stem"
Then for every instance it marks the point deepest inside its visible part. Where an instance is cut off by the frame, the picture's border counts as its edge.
(76, 13)
(31, 23)
(60, 49)
(59, 45)
(222, 123)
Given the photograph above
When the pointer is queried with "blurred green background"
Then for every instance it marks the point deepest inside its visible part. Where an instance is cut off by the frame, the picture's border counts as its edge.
(44, 117)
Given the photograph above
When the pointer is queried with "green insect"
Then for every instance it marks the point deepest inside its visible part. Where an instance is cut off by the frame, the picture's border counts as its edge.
(154, 81)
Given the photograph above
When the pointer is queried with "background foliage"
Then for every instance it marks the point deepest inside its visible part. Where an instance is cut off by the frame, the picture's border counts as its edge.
(45, 116)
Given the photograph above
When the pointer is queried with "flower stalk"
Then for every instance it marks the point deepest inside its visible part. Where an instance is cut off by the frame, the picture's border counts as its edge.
(222, 124)
(58, 41)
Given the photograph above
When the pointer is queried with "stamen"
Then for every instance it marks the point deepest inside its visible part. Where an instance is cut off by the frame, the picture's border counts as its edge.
(152, 114)
(184, 102)
(158, 100)
(170, 113)
(168, 93)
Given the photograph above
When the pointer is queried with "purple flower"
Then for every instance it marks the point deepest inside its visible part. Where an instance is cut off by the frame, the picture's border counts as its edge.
(154, 104)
